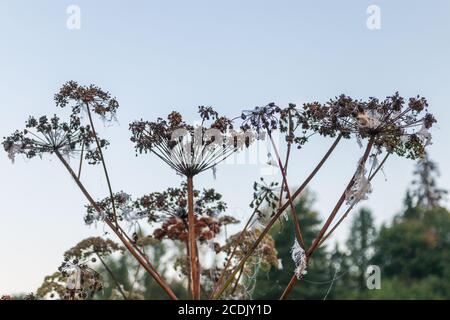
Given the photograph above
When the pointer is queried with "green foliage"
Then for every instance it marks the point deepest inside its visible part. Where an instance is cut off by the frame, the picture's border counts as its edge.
(415, 248)
(360, 244)
(428, 288)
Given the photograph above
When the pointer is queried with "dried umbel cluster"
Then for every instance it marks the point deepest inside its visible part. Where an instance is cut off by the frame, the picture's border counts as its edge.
(394, 125)
(167, 212)
(189, 149)
(82, 281)
(261, 119)
(264, 198)
(122, 207)
(267, 119)
(265, 256)
(70, 138)
(91, 248)
(173, 203)
(76, 278)
(53, 287)
(173, 210)
(87, 98)
(49, 135)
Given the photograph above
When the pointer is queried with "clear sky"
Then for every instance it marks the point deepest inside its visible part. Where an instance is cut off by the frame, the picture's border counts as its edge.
(156, 56)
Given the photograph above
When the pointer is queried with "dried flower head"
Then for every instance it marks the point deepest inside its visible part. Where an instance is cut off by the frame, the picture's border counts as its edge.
(265, 255)
(206, 228)
(394, 125)
(170, 208)
(92, 97)
(264, 198)
(82, 281)
(271, 117)
(173, 203)
(53, 286)
(125, 207)
(187, 149)
(261, 119)
(48, 135)
(93, 246)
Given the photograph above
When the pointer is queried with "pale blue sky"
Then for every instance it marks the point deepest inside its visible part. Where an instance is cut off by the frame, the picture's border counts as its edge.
(156, 56)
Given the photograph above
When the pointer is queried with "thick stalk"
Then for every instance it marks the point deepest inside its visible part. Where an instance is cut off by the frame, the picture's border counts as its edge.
(189, 284)
(145, 263)
(193, 250)
(276, 216)
(327, 224)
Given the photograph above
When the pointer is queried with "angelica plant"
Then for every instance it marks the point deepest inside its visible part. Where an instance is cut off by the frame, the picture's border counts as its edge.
(194, 218)
(49, 135)
(391, 126)
(189, 150)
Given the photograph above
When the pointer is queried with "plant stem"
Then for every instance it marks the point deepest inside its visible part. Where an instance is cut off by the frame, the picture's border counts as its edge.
(347, 212)
(286, 162)
(119, 233)
(277, 215)
(325, 227)
(81, 161)
(193, 250)
(103, 163)
(298, 232)
(111, 274)
(288, 153)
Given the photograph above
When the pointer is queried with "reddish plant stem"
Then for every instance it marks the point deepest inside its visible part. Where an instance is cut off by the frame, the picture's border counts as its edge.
(286, 162)
(119, 233)
(276, 216)
(189, 288)
(81, 161)
(288, 153)
(325, 227)
(298, 231)
(193, 250)
(351, 207)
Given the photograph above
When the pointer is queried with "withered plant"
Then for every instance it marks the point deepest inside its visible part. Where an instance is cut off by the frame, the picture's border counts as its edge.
(191, 217)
